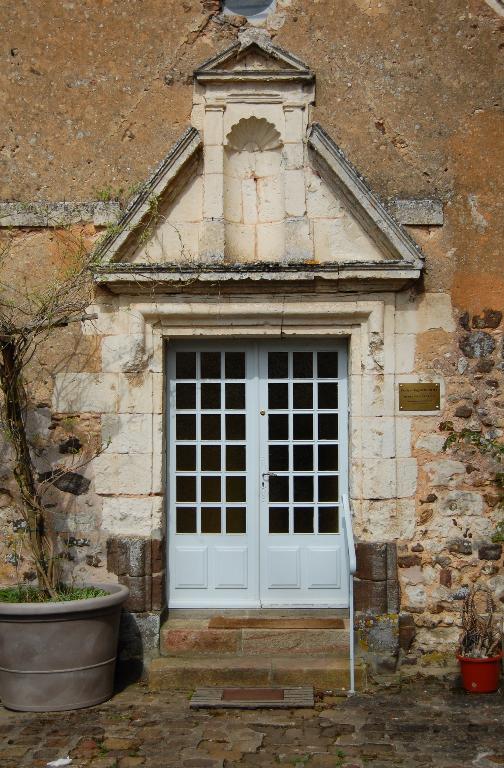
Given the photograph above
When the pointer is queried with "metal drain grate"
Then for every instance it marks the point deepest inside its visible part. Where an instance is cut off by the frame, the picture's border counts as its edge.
(252, 698)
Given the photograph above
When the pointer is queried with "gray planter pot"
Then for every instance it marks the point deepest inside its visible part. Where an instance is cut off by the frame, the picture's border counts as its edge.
(59, 656)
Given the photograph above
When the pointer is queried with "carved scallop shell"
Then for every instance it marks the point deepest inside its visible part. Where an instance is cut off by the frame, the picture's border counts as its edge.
(253, 134)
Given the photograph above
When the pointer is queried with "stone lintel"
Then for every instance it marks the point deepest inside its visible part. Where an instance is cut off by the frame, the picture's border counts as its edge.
(376, 276)
(417, 212)
(44, 214)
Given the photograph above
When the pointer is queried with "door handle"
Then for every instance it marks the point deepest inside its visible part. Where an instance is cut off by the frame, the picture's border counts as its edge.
(266, 476)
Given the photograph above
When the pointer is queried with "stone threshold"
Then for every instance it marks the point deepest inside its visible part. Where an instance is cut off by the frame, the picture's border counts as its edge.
(234, 622)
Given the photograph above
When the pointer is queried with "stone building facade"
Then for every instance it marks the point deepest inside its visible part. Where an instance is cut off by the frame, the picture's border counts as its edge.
(256, 229)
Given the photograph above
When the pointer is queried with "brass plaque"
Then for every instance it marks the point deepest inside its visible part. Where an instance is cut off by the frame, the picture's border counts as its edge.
(419, 397)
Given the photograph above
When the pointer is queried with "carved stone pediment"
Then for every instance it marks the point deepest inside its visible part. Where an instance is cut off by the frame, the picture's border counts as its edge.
(253, 190)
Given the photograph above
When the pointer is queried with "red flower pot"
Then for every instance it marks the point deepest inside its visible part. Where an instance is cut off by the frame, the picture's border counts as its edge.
(480, 675)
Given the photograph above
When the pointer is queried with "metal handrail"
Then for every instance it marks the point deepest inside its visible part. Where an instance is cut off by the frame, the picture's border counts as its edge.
(352, 567)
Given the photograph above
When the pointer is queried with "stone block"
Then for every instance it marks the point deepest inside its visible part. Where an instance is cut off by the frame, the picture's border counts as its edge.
(490, 552)
(138, 635)
(268, 163)
(460, 546)
(393, 596)
(293, 156)
(484, 366)
(60, 214)
(298, 243)
(371, 561)
(158, 591)
(432, 443)
(120, 473)
(295, 202)
(415, 597)
(270, 241)
(377, 435)
(477, 344)
(387, 519)
(292, 641)
(186, 674)
(490, 318)
(430, 312)
(379, 635)
(241, 242)
(379, 478)
(158, 521)
(128, 433)
(293, 124)
(445, 577)
(405, 352)
(408, 561)
(69, 482)
(211, 239)
(158, 555)
(270, 199)
(188, 205)
(214, 158)
(407, 472)
(407, 631)
(445, 472)
(326, 233)
(125, 516)
(139, 600)
(85, 392)
(370, 596)
(233, 199)
(213, 196)
(174, 642)
(129, 556)
(249, 201)
(378, 395)
(135, 393)
(320, 200)
(403, 437)
(213, 126)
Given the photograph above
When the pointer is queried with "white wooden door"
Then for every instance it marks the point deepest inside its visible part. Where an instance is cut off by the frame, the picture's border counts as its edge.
(213, 556)
(304, 560)
(256, 470)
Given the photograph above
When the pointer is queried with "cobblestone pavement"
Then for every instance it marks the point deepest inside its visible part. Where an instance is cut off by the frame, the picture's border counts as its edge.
(420, 725)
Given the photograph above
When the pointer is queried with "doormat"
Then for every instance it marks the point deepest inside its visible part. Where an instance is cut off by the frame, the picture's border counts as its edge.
(252, 698)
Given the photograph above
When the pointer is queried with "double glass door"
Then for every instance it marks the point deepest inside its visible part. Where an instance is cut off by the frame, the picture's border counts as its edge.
(256, 468)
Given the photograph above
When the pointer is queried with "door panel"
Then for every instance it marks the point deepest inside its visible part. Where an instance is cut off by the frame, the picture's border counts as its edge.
(257, 466)
(303, 397)
(213, 547)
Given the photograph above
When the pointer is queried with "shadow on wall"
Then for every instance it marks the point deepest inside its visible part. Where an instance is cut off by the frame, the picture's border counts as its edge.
(138, 637)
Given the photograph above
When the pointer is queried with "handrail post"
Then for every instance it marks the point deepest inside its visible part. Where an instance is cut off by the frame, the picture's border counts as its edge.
(352, 563)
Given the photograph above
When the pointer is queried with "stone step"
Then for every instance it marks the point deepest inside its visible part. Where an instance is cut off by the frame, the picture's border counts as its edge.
(187, 640)
(323, 672)
(257, 613)
(242, 636)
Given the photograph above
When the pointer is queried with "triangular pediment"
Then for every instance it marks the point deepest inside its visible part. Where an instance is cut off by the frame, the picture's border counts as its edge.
(254, 58)
(254, 187)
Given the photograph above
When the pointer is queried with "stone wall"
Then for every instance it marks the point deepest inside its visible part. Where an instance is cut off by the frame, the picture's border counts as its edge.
(389, 91)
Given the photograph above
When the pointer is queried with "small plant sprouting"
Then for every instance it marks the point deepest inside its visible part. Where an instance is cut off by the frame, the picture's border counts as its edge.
(486, 446)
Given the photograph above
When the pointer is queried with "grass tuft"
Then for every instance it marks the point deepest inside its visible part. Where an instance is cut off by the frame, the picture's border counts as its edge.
(27, 594)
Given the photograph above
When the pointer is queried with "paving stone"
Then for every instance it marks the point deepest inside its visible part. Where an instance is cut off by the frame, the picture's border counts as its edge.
(418, 725)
